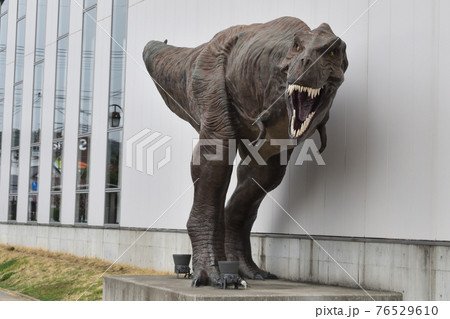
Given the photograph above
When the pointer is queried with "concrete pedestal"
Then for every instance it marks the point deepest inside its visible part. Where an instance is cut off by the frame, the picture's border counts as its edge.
(169, 288)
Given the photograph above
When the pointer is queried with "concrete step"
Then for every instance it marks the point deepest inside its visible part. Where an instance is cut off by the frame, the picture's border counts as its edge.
(169, 288)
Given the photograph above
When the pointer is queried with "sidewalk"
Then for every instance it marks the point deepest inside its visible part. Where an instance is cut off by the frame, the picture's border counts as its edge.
(5, 296)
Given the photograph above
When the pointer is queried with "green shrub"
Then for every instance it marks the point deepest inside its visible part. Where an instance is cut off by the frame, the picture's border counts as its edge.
(5, 265)
(7, 276)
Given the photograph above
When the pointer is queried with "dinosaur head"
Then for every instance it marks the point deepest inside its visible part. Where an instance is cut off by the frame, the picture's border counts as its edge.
(315, 67)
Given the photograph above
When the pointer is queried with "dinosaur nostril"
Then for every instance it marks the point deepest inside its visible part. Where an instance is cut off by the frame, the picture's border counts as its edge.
(306, 62)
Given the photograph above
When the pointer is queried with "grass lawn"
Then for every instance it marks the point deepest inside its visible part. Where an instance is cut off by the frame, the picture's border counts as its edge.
(55, 276)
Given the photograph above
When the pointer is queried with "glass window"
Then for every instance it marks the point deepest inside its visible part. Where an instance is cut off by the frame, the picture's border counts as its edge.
(118, 45)
(63, 19)
(40, 29)
(3, 31)
(115, 114)
(81, 208)
(87, 71)
(32, 207)
(55, 207)
(57, 165)
(1, 124)
(17, 112)
(112, 205)
(37, 103)
(21, 8)
(113, 159)
(20, 47)
(14, 172)
(5, 6)
(83, 163)
(60, 90)
(89, 3)
(34, 168)
(12, 209)
(2, 73)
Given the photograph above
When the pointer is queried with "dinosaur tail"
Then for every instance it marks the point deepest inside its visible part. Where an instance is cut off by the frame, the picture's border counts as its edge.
(170, 68)
(152, 50)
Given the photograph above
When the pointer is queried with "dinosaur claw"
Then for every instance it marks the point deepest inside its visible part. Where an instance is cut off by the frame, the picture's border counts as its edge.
(258, 276)
(196, 283)
(271, 276)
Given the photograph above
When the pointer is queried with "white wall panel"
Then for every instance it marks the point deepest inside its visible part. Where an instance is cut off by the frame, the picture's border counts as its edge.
(441, 145)
(383, 131)
(100, 115)
(388, 151)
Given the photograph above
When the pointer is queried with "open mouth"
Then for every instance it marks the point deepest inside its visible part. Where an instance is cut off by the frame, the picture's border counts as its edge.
(304, 102)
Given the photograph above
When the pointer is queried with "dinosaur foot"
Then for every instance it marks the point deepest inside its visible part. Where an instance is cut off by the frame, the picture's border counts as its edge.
(263, 275)
(250, 270)
(204, 276)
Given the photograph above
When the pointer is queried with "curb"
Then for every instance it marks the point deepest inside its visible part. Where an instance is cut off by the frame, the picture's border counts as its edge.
(18, 294)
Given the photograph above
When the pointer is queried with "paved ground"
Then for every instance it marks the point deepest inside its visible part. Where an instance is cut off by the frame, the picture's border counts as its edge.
(170, 288)
(4, 296)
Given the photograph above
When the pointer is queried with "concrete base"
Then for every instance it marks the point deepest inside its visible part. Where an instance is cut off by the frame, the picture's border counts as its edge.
(419, 270)
(169, 288)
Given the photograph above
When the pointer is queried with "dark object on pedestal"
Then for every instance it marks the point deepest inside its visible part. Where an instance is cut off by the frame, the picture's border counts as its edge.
(229, 275)
(182, 265)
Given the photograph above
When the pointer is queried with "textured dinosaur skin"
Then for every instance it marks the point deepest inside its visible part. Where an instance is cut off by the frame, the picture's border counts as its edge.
(258, 81)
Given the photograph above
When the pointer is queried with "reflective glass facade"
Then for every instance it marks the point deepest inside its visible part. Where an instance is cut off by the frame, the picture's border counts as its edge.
(48, 120)
(17, 109)
(85, 113)
(116, 111)
(3, 37)
(36, 118)
(59, 116)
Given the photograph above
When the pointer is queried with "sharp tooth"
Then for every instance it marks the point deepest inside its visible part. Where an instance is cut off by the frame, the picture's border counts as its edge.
(318, 91)
(290, 89)
(292, 123)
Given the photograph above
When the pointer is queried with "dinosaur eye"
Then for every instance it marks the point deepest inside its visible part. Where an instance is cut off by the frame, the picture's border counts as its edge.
(331, 53)
(298, 48)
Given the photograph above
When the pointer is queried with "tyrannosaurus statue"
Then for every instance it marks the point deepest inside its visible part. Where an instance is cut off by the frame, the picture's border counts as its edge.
(268, 81)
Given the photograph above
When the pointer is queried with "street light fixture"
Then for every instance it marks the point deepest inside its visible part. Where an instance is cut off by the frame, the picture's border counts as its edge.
(115, 116)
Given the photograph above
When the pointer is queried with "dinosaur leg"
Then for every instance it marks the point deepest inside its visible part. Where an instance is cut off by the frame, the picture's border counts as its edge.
(206, 221)
(242, 209)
